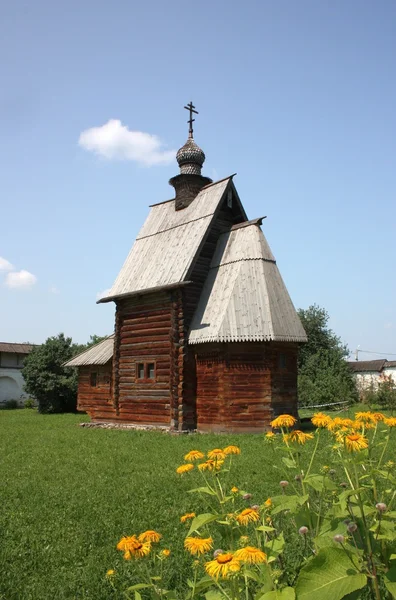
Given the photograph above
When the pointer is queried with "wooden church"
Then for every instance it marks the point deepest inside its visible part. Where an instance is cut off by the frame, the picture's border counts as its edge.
(206, 335)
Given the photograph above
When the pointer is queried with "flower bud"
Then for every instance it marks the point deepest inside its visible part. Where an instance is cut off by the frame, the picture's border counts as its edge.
(247, 496)
(381, 507)
(332, 472)
(303, 530)
(343, 484)
(283, 483)
(352, 527)
(297, 478)
(217, 552)
(255, 507)
(339, 538)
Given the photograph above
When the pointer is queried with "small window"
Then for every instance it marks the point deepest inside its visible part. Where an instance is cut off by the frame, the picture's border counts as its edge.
(282, 361)
(140, 370)
(151, 371)
(93, 379)
(229, 199)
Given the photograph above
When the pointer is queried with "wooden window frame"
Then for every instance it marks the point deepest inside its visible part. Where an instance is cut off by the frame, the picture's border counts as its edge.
(93, 376)
(282, 361)
(146, 378)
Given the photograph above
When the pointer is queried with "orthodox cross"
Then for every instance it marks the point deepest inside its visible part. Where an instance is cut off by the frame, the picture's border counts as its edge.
(192, 110)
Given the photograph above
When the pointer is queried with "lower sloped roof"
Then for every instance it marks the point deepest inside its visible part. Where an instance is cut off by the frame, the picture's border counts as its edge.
(99, 354)
(244, 297)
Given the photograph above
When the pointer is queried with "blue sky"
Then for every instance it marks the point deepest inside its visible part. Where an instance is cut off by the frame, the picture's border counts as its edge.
(298, 98)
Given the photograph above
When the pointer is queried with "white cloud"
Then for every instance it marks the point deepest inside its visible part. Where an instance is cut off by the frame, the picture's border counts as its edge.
(115, 141)
(22, 280)
(5, 265)
(54, 290)
(103, 294)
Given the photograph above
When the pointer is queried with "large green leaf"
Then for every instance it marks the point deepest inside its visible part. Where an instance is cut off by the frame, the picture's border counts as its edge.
(214, 595)
(286, 594)
(329, 576)
(390, 581)
(202, 520)
(320, 483)
(291, 503)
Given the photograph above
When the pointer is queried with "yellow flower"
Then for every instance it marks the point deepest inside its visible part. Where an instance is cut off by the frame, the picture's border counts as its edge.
(362, 424)
(232, 450)
(216, 454)
(390, 421)
(127, 543)
(150, 536)
(197, 545)
(355, 441)
(249, 515)
(194, 455)
(211, 465)
(365, 417)
(283, 421)
(335, 423)
(234, 490)
(222, 566)
(378, 417)
(320, 419)
(251, 555)
(298, 436)
(325, 468)
(268, 503)
(390, 464)
(110, 573)
(139, 551)
(187, 516)
(270, 435)
(165, 553)
(184, 468)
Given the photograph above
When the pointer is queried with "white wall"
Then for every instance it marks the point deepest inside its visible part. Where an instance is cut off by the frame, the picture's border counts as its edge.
(11, 385)
(390, 371)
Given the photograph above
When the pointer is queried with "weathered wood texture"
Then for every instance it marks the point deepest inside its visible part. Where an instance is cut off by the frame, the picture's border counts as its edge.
(240, 387)
(96, 400)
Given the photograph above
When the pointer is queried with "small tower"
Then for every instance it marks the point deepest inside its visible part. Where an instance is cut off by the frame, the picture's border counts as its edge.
(190, 158)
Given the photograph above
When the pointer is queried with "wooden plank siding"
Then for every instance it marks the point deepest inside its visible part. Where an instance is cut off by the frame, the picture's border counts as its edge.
(96, 400)
(241, 386)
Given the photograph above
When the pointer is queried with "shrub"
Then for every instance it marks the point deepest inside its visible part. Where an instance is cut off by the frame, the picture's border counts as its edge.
(30, 403)
(10, 405)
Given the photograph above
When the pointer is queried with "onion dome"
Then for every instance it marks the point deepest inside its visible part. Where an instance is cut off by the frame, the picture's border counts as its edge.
(190, 158)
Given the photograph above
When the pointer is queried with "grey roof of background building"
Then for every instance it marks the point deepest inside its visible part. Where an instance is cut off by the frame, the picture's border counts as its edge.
(99, 354)
(244, 297)
(367, 365)
(168, 243)
(16, 348)
(362, 366)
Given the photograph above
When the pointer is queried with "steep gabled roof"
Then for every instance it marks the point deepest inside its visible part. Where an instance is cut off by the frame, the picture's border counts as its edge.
(244, 297)
(168, 242)
(99, 354)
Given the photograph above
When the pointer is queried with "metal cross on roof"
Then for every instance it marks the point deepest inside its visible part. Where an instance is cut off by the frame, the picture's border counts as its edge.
(192, 110)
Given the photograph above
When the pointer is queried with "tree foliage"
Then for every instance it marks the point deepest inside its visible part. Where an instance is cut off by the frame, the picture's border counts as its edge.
(324, 376)
(47, 380)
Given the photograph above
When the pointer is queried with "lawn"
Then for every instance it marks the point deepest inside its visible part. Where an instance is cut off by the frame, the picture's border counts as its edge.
(69, 493)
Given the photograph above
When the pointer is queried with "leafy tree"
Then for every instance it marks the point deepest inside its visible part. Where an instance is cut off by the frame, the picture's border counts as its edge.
(324, 377)
(95, 339)
(46, 379)
(315, 322)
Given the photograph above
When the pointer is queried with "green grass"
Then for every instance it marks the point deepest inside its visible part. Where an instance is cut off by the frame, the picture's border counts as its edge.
(69, 493)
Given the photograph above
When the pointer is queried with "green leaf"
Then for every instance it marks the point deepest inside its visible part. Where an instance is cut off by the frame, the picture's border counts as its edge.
(265, 528)
(284, 502)
(214, 595)
(202, 520)
(274, 548)
(138, 596)
(320, 483)
(139, 586)
(287, 593)
(203, 584)
(386, 531)
(390, 581)
(290, 464)
(329, 576)
(202, 490)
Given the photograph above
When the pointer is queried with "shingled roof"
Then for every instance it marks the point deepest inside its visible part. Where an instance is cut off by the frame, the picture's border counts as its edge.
(244, 297)
(168, 242)
(98, 354)
(361, 366)
(16, 348)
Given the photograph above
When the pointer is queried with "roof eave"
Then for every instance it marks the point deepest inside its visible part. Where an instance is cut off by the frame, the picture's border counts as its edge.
(159, 288)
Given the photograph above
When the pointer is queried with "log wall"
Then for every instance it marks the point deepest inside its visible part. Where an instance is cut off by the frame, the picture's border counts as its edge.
(242, 386)
(96, 401)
